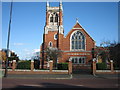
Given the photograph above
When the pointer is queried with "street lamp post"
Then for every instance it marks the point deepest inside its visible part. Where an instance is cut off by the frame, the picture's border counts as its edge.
(7, 54)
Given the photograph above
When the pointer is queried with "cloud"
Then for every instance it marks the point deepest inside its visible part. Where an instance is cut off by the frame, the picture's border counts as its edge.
(26, 50)
(28, 53)
(36, 50)
(18, 44)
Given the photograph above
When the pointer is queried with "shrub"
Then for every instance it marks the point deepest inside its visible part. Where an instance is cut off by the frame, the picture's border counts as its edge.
(62, 66)
(116, 66)
(101, 66)
(24, 65)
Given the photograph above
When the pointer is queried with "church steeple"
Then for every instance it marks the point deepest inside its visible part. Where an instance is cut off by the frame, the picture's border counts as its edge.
(54, 18)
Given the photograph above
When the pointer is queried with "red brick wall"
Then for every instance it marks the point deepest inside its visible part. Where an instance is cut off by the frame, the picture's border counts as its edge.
(66, 56)
(50, 37)
(60, 18)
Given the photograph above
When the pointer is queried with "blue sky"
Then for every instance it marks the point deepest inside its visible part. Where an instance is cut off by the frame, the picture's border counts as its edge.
(99, 19)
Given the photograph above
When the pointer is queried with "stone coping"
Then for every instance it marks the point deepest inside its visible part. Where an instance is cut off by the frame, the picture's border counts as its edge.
(107, 70)
(38, 70)
(103, 70)
(59, 70)
(41, 70)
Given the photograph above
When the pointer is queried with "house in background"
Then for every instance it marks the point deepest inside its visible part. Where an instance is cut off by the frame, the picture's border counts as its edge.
(12, 56)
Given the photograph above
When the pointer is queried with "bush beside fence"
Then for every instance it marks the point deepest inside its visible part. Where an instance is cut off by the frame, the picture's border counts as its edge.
(24, 65)
(101, 66)
(62, 66)
(27, 67)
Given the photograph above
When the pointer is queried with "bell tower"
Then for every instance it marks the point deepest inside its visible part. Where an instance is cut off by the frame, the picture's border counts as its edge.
(53, 29)
(54, 19)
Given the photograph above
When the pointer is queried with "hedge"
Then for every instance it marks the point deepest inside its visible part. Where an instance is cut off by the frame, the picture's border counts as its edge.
(101, 66)
(62, 66)
(116, 66)
(24, 65)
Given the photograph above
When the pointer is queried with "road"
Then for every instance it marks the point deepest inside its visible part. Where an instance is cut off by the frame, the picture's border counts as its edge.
(78, 81)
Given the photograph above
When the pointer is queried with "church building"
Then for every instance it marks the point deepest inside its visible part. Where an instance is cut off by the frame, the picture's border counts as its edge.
(76, 46)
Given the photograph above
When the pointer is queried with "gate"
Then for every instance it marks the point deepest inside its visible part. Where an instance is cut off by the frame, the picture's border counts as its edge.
(81, 69)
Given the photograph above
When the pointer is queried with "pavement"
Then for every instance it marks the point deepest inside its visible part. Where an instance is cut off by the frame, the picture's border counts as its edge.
(63, 76)
(108, 76)
(39, 76)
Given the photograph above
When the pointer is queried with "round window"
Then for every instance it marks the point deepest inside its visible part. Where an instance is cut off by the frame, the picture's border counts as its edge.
(55, 36)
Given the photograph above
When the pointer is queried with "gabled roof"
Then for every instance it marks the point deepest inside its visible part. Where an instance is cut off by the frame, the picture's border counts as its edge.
(78, 26)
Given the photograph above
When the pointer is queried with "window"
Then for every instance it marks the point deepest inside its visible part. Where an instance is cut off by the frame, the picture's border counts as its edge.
(78, 60)
(51, 19)
(77, 41)
(72, 60)
(55, 36)
(75, 60)
(56, 18)
(50, 44)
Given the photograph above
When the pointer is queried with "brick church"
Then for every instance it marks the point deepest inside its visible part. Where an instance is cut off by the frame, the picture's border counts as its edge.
(76, 46)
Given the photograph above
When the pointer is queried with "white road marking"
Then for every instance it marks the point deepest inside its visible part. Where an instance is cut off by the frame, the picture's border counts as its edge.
(75, 85)
(33, 85)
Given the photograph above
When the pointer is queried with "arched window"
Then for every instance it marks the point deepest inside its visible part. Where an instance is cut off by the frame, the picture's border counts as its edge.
(56, 18)
(50, 44)
(77, 41)
(51, 18)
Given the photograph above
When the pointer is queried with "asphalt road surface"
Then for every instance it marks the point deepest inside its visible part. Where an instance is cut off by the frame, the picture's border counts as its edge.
(77, 81)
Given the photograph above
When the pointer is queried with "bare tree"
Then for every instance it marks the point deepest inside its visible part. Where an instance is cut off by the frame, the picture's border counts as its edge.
(53, 54)
(104, 51)
(109, 51)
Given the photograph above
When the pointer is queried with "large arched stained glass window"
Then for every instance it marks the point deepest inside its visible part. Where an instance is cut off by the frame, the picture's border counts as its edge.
(77, 41)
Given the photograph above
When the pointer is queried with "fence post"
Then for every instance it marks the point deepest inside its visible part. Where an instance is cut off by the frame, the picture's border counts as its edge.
(70, 67)
(51, 65)
(14, 65)
(32, 65)
(94, 66)
(111, 66)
